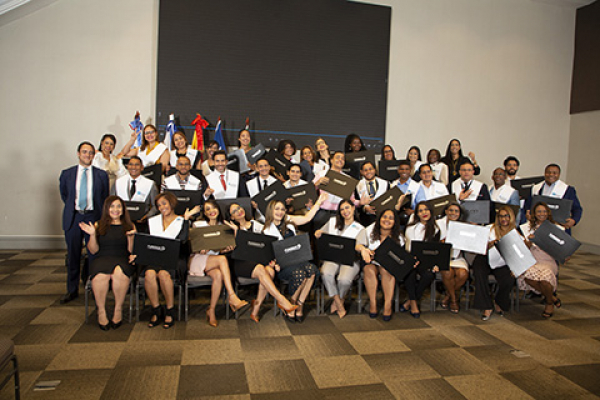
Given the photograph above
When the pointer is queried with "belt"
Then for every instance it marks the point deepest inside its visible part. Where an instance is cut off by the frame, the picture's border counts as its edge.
(84, 212)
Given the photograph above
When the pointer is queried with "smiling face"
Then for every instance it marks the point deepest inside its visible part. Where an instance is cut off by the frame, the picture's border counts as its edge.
(211, 212)
(404, 172)
(388, 153)
(134, 167)
(295, 173)
(180, 142)
(355, 144)
(433, 157)
(183, 166)
(107, 146)
(278, 212)
(321, 145)
(453, 213)
(454, 147)
(338, 161)
(551, 175)
(237, 212)
(466, 172)
(512, 167)
(244, 138)
(164, 207)
(263, 168)
(426, 174)
(220, 163)
(347, 211)
(540, 213)
(499, 177)
(503, 218)
(307, 155)
(368, 171)
(150, 135)
(86, 155)
(413, 156)
(115, 210)
(288, 150)
(424, 213)
(387, 220)
(211, 149)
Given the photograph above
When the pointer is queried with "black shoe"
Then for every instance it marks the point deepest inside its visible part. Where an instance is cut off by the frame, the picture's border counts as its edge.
(104, 327)
(116, 325)
(169, 313)
(69, 297)
(156, 312)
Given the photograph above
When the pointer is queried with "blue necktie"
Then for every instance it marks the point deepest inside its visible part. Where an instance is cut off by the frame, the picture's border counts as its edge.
(83, 190)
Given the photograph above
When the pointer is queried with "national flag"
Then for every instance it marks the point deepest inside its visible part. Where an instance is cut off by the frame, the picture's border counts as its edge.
(137, 126)
(219, 136)
(170, 131)
(247, 124)
(198, 139)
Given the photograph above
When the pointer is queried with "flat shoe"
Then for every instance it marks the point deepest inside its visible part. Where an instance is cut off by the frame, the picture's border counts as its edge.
(486, 317)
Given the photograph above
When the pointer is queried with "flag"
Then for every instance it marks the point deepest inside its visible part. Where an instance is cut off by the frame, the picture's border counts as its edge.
(247, 123)
(137, 126)
(198, 140)
(219, 136)
(170, 131)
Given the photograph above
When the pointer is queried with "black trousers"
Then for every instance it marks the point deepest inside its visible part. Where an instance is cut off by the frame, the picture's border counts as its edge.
(416, 288)
(483, 297)
(74, 237)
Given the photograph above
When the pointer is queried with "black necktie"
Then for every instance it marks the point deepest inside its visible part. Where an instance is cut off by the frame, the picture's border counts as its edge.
(371, 190)
(132, 189)
(264, 184)
(466, 186)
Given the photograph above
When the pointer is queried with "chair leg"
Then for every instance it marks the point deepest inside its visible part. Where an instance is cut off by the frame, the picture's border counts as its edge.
(236, 290)
(186, 302)
(87, 300)
(397, 297)
(226, 301)
(432, 295)
(180, 302)
(16, 377)
(359, 295)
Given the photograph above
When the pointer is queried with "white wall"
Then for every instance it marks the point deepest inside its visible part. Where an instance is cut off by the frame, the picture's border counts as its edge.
(71, 71)
(495, 73)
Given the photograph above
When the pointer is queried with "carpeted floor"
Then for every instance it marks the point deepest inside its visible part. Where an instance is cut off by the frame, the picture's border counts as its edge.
(440, 355)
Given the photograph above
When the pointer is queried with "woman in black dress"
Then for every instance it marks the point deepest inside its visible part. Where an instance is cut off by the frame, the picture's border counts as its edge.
(454, 158)
(111, 241)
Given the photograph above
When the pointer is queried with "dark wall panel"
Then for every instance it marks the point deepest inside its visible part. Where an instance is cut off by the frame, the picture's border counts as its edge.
(297, 68)
(585, 91)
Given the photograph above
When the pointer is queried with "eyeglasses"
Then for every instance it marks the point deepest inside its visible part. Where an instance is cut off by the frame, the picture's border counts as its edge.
(149, 132)
(502, 216)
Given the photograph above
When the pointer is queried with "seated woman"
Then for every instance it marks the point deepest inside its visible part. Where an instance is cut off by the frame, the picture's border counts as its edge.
(423, 228)
(181, 147)
(208, 165)
(111, 241)
(385, 225)
(494, 264)
(345, 225)
(353, 144)
(323, 159)
(413, 155)
(151, 151)
(440, 170)
(215, 265)
(308, 159)
(105, 160)
(301, 277)
(541, 278)
(168, 225)
(458, 273)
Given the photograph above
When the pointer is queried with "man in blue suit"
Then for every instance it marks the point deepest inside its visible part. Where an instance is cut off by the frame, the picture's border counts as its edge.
(83, 189)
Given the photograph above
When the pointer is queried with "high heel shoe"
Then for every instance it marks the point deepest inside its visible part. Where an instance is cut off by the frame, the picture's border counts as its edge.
(170, 312)
(212, 322)
(104, 327)
(557, 303)
(238, 306)
(387, 318)
(116, 325)
(373, 315)
(156, 311)
(415, 314)
(299, 318)
(252, 316)
(294, 308)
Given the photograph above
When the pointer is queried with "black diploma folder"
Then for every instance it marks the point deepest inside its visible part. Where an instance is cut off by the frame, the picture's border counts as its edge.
(255, 153)
(561, 208)
(186, 199)
(338, 249)
(154, 173)
(339, 184)
(388, 170)
(156, 251)
(477, 211)
(275, 191)
(136, 209)
(555, 241)
(301, 194)
(523, 186)
(255, 247)
(432, 253)
(438, 204)
(216, 237)
(292, 251)
(397, 261)
(279, 162)
(388, 200)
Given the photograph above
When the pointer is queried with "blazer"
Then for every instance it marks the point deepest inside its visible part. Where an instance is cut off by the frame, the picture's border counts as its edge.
(67, 184)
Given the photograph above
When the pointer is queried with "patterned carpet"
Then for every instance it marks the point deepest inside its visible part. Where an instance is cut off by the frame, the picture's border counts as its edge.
(440, 355)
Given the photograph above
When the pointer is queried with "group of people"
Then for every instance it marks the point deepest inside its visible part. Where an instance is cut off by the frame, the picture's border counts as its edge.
(96, 192)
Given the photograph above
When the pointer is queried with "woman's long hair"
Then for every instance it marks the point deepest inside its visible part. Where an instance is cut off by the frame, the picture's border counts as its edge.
(533, 221)
(270, 219)
(430, 226)
(106, 221)
(448, 155)
(339, 220)
(394, 233)
(512, 224)
(215, 205)
(144, 141)
(462, 216)
(349, 139)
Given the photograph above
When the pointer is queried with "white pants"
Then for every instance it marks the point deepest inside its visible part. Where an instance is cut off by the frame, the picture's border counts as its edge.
(345, 276)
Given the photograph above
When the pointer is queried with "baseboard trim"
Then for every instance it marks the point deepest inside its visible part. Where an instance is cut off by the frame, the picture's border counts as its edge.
(590, 248)
(32, 242)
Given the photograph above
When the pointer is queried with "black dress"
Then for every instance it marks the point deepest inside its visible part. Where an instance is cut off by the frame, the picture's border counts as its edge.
(113, 252)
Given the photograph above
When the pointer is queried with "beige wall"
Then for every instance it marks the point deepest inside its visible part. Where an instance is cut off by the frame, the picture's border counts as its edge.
(583, 150)
(495, 73)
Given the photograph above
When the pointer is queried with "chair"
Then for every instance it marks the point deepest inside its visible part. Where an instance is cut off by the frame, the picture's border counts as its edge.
(514, 298)
(88, 290)
(433, 295)
(247, 282)
(358, 279)
(193, 282)
(7, 354)
(139, 290)
(316, 289)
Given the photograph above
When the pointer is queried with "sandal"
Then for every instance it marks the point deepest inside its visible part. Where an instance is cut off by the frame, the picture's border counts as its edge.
(156, 312)
(299, 318)
(170, 313)
(444, 303)
(454, 307)
(557, 303)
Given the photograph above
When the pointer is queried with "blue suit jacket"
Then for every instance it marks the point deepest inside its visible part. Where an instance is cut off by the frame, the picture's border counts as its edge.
(570, 194)
(67, 184)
